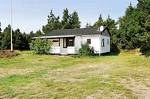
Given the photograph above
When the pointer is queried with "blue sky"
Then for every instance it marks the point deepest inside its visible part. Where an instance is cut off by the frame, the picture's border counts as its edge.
(32, 14)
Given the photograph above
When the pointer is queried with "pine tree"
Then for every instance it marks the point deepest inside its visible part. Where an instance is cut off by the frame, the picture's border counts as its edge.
(88, 25)
(99, 22)
(133, 26)
(17, 39)
(130, 28)
(25, 42)
(6, 38)
(66, 20)
(144, 7)
(75, 23)
(38, 33)
(53, 23)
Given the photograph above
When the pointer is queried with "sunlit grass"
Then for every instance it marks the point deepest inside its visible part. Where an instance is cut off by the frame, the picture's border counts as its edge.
(51, 76)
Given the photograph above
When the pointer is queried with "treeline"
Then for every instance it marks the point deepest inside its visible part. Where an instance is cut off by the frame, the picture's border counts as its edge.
(21, 40)
(69, 21)
(129, 32)
(134, 27)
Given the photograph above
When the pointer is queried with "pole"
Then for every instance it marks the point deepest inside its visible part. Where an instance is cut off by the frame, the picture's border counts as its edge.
(11, 29)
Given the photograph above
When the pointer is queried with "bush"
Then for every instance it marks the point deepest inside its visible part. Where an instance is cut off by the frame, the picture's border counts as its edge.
(145, 49)
(85, 50)
(145, 46)
(40, 46)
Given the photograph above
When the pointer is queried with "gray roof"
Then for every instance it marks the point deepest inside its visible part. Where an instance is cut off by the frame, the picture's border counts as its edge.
(77, 31)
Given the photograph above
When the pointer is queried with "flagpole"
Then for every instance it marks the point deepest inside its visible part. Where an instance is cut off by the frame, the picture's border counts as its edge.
(11, 29)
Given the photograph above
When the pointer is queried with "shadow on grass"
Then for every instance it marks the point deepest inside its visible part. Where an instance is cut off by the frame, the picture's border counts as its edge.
(111, 54)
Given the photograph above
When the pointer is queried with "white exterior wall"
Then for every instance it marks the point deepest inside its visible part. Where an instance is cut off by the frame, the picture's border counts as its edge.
(78, 42)
(95, 42)
(55, 50)
(71, 50)
(106, 47)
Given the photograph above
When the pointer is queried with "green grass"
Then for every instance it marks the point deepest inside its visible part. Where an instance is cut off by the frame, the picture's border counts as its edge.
(65, 77)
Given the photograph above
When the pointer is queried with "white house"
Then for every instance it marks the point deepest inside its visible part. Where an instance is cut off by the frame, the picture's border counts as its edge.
(68, 41)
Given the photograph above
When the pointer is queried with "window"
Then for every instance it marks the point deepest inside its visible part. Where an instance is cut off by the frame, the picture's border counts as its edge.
(107, 41)
(70, 42)
(103, 42)
(55, 40)
(89, 41)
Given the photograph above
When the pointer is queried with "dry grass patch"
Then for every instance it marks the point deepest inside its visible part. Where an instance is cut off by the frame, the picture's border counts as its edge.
(28, 76)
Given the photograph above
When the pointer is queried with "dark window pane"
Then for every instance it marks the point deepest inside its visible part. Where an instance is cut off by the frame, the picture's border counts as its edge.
(89, 41)
(103, 43)
(70, 42)
(55, 40)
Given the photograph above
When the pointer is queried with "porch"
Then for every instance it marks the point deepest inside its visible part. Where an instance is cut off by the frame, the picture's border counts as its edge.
(63, 45)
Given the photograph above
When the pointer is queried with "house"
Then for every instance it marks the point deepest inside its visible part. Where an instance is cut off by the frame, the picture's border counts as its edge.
(68, 41)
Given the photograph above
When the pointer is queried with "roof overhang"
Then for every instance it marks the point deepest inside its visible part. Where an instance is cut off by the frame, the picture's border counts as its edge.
(60, 36)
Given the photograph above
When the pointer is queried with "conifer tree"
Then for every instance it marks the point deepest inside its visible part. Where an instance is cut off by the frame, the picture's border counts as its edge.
(75, 23)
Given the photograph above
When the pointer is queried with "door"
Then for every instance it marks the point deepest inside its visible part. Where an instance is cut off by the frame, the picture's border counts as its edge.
(63, 45)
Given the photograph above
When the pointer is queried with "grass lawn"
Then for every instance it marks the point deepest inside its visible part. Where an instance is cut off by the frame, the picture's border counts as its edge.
(27, 76)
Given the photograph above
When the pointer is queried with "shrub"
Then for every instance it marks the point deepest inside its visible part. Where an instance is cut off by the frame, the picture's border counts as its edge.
(145, 46)
(86, 50)
(40, 46)
(145, 49)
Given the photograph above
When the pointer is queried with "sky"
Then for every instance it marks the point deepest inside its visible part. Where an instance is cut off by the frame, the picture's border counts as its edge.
(31, 15)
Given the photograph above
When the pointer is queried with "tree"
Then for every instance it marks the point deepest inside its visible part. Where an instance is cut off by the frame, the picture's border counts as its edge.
(38, 33)
(130, 28)
(112, 26)
(144, 6)
(0, 36)
(66, 23)
(53, 23)
(32, 34)
(0, 28)
(88, 25)
(75, 23)
(25, 42)
(99, 22)
(145, 39)
(6, 38)
(134, 25)
(17, 39)
(20, 40)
